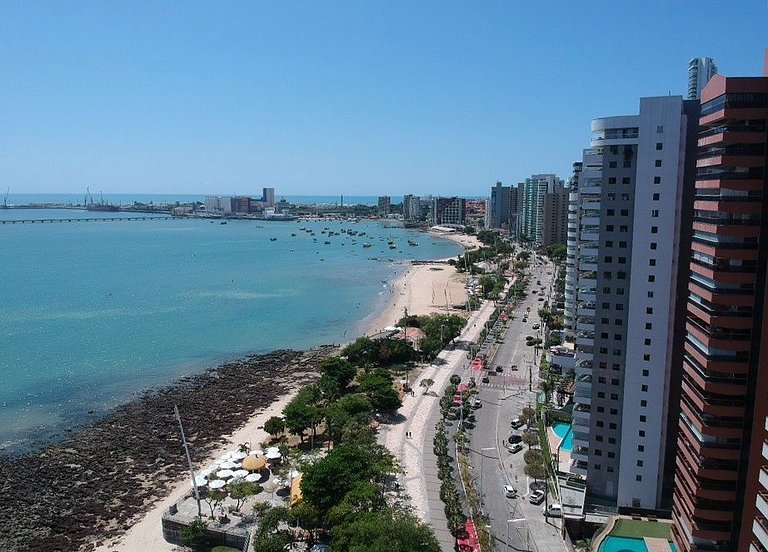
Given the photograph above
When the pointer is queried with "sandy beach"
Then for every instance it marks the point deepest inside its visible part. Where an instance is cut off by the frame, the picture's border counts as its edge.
(425, 288)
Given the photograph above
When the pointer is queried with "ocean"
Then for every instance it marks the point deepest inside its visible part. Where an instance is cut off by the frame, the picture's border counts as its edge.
(92, 313)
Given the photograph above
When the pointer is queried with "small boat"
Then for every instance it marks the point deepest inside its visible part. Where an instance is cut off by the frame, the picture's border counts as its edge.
(393, 246)
(272, 239)
(366, 245)
(326, 243)
(223, 222)
(412, 243)
(293, 235)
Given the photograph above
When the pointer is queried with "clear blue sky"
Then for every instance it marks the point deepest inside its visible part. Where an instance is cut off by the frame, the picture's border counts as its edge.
(355, 98)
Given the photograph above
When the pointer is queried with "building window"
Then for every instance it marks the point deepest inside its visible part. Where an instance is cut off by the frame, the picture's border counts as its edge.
(603, 335)
(611, 180)
(651, 262)
(612, 440)
(625, 180)
(644, 388)
(657, 180)
(619, 307)
(601, 409)
(651, 278)
(642, 419)
(654, 229)
(646, 358)
(604, 320)
(647, 342)
(607, 290)
(606, 306)
(657, 163)
(643, 403)
(659, 146)
(614, 412)
(648, 310)
(615, 381)
(601, 379)
(617, 337)
(614, 397)
(622, 260)
(641, 433)
(656, 197)
(611, 455)
(659, 129)
(612, 164)
(603, 350)
(654, 213)
(617, 352)
(611, 197)
(599, 438)
(653, 245)
(618, 322)
(648, 326)
(623, 228)
(638, 478)
(609, 227)
(612, 425)
(627, 164)
(609, 469)
(608, 243)
(600, 394)
(625, 197)
(649, 295)
(640, 448)
(619, 291)
(645, 372)
(607, 275)
(609, 212)
(596, 466)
(599, 423)
(623, 244)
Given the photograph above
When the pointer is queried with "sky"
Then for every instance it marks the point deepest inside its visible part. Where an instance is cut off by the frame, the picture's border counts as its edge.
(335, 97)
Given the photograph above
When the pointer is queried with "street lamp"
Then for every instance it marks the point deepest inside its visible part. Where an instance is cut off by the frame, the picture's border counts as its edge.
(482, 455)
(518, 520)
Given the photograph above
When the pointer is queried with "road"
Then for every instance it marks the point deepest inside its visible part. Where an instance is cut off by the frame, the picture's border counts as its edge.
(503, 399)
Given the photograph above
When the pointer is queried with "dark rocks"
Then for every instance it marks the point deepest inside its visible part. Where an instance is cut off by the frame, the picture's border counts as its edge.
(105, 475)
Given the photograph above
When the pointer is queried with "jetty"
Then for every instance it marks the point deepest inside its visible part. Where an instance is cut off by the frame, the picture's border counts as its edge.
(84, 219)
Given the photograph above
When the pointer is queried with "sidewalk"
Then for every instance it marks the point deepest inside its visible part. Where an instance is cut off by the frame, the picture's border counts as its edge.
(421, 413)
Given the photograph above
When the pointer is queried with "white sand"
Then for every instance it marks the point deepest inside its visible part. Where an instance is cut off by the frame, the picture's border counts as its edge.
(147, 532)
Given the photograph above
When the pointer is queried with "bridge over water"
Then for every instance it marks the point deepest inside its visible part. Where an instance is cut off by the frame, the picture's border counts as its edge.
(83, 219)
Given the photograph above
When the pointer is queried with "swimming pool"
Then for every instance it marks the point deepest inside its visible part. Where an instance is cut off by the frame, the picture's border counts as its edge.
(561, 430)
(626, 544)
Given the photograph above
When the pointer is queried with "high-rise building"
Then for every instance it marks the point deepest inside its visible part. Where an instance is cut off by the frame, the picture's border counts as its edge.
(499, 207)
(448, 210)
(721, 482)
(700, 70)
(384, 205)
(623, 282)
(411, 207)
(268, 197)
(555, 221)
(534, 191)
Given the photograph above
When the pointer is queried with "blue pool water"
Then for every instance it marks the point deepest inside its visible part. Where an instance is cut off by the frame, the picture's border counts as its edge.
(561, 430)
(626, 544)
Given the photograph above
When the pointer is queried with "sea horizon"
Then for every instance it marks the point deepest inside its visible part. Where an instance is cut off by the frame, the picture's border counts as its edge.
(96, 312)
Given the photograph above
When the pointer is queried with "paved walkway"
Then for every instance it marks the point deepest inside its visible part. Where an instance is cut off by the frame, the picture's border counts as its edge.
(421, 413)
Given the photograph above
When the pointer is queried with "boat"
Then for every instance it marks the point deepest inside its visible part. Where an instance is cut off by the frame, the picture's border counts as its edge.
(393, 246)
(222, 222)
(293, 235)
(272, 239)
(326, 243)
(366, 245)
(412, 243)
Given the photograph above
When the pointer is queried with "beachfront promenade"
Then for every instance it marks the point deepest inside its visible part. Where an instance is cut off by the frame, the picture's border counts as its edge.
(421, 412)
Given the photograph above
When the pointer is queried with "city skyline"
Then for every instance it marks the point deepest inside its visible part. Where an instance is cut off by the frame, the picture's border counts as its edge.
(347, 99)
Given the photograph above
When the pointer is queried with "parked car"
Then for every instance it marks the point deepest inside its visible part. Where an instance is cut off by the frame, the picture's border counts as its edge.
(517, 423)
(517, 447)
(515, 438)
(486, 379)
(513, 367)
(537, 497)
(541, 298)
(553, 510)
(510, 491)
(536, 326)
(499, 369)
(477, 403)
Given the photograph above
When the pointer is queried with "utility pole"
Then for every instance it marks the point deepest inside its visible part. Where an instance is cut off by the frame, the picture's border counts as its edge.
(189, 461)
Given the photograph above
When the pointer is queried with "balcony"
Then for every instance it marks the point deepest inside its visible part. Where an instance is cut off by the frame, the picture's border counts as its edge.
(764, 477)
(762, 503)
(579, 467)
(760, 530)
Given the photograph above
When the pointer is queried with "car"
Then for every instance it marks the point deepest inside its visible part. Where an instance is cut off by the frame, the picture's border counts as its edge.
(537, 497)
(517, 423)
(536, 326)
(517, 447)
(529, 338)
(553, 510)
(513, 367)
(486, 379)
(541, 298)
(515, 438)
(477, 403)
(499, 369)
(510, 491)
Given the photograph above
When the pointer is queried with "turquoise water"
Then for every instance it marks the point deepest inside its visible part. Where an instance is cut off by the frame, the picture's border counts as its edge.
(626, 544)
(92, 312)
(561, 430)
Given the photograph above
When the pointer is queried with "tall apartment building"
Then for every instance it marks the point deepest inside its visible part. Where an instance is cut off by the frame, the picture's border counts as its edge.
(700, 71)
(448, 210)
(384, 206)
(569, 313)
(555, 221)
(411, 207)
(268, 197)
(532, 203)
(499, 207)
(721, 482)
(623, 283)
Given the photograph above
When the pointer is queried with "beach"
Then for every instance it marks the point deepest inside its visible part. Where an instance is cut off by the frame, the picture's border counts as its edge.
(425, 288)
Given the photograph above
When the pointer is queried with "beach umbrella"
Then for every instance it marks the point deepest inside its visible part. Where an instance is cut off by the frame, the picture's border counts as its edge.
(217, 484)
(253, 477)
(254, 463)
(240, 473)
(257, 452)
(208, 471)
(224, 474)
(224, 457)
(201, 481)
(272, 455)
(238, 455)
(227, 465)
(236, 465)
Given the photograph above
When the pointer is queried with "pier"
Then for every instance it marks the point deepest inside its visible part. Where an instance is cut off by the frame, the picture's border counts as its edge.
(76, 219)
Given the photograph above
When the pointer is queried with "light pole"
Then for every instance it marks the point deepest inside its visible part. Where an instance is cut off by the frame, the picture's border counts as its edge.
(516, 520)
(482, 455)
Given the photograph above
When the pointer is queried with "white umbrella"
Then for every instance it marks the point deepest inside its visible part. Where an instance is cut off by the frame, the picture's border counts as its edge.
(240, 473)
(227, 465)
(253, 477)
(217, 484)
(293, 473)
(257, 452)
(272, 455)
(237, 465)
(224, 457)
(238, 455)
(208, 471)
(224, 474)
(201, 481)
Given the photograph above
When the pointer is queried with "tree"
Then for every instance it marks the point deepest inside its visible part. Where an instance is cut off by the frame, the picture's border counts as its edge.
(528, 416)
(426, 383)
(383, 532)
(377, 386)
(362, 352)
(536, 471)
(214, 498)
(301, 413)
(455, 379)
(547, 386)
(240, 490)
(274, 426)
(339, 371)
(352, 408)
(530, 439)
(325, 483)
(533, 457)
(365, 498)
(195, 535)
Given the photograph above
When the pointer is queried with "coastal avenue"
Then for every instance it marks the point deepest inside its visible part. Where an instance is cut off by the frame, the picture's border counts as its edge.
(499, 466)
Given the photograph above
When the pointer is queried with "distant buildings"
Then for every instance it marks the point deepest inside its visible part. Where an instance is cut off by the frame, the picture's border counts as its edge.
(536, 211)
(245, 205)
(448, 210)
(268, 197)
(384, 203)
(623, 290)
(700, 71)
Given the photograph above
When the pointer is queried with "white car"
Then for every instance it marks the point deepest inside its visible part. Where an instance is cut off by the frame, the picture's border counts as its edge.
(537, 497)
(536, 326)
(510, 491)
(553, 510)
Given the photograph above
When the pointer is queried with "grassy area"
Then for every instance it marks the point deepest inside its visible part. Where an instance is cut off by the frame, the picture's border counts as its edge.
(639, 529)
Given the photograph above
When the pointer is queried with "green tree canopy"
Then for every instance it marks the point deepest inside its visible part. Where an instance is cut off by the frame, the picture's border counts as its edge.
(338, 370)
(274, 426)
(364, 498)
(383, 532)
(377, 386)
(301, 413)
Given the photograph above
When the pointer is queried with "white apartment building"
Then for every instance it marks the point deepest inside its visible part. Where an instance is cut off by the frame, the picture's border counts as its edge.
(622, 290)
